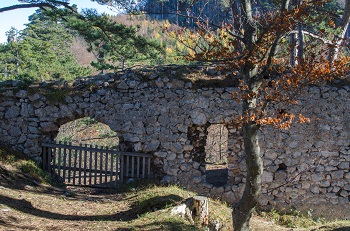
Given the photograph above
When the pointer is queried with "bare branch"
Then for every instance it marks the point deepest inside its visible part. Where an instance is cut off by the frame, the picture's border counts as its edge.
(325, 41)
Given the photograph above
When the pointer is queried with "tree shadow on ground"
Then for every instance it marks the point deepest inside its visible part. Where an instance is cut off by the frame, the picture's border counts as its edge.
(26, 206)
(347, 228)
(151, 204)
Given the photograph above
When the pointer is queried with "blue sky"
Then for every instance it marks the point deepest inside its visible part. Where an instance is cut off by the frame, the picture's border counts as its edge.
(17, 18)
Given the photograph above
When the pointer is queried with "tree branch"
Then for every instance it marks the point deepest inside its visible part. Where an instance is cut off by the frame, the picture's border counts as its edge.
(52, 5)
(325, 41)
(25, 6)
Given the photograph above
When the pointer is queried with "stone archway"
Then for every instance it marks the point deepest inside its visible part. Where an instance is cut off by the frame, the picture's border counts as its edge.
(87, 130)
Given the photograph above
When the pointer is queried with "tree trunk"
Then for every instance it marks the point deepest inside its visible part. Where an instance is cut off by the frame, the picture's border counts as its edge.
(123, 64)
(334, 51)
(293, 52)
(300, 50)
(195, 209)
(236, 15)
(243, 209)
(200, 211)
(177, 12)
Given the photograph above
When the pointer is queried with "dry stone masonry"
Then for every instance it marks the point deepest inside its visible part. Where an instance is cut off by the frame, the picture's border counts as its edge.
(306, 167)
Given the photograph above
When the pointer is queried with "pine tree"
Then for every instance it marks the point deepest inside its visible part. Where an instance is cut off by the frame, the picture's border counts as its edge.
(40, 52)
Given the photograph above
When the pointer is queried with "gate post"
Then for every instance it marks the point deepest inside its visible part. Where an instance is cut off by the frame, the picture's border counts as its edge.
(44, 157)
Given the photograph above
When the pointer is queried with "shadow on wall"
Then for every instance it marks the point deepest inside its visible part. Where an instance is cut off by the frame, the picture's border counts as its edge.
(217, 177)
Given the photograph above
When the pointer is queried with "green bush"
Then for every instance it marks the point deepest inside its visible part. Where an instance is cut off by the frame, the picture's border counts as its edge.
(30, 168)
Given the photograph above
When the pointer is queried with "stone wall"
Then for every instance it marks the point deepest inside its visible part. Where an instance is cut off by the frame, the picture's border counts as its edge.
(306, 167)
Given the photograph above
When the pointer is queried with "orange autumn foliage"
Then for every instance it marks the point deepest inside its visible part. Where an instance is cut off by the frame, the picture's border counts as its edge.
(276, 84)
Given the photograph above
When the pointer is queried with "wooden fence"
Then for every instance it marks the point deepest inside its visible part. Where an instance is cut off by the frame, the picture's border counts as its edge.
(94, 166)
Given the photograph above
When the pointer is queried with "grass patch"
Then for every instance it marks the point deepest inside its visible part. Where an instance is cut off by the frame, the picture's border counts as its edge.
(10, 156)
(56, 95)
(156, 198)
(31, 169)
(15, 166)
(294, 219)
(150, 202)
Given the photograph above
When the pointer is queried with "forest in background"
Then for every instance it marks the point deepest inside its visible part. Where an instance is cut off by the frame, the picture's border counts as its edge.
(52, 48)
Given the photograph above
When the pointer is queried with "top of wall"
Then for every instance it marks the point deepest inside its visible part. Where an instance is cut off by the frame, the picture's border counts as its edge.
(170, 77)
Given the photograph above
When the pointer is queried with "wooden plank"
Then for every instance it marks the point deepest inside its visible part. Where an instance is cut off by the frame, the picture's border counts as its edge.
(117, 164)
(54, 161)
(75, 165)
(44, 158)
(80, 160)
(127, 166)
(111, 167)
(85, 163)
(132, 166)
(143, 167)
(49, 159)
(93, 149)
(90, 164)
(116, 170)
(69, 164)
(121, 168)
(101, 165)
(106, 166)
(64, 163)
(59, 162)
(149, 167)
(95, 177)
(138, 167)
(87, 169)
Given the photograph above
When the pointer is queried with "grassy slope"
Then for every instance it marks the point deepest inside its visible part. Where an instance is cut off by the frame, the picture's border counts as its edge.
(28, 203)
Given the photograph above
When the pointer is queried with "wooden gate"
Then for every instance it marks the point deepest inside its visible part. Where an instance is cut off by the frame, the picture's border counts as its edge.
(93, 166)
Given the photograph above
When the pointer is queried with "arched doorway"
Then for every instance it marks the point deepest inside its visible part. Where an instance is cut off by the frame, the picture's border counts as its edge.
(87, 153)
(88, 131)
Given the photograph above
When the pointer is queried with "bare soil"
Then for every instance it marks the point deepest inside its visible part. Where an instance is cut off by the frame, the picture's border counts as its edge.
(38, 208)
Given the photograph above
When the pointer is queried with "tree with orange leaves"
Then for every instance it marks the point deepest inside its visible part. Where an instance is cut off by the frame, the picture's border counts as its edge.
(268, 81)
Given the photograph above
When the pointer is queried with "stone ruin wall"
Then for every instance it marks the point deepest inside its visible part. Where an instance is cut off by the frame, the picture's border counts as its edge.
(306, 167)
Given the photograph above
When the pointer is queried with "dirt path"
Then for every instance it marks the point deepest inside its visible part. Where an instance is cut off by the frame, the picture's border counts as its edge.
(35, 208)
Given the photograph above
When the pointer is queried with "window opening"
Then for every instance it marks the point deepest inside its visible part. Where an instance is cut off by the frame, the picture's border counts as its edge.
(216, 155)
